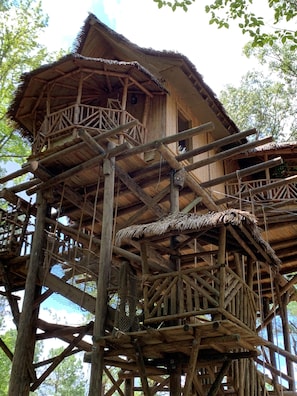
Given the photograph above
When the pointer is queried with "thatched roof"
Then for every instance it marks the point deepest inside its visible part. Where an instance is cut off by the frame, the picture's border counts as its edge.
(32, 90)
(158, 62)
(191, 222)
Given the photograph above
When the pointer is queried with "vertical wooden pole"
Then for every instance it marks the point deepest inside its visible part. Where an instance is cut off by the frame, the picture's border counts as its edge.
(24, 349)
(283, 302)
(129, 385)
(103, 276)
(221, 262)
(192, 366)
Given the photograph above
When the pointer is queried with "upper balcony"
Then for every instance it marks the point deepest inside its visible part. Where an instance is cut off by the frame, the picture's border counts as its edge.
(63, 125)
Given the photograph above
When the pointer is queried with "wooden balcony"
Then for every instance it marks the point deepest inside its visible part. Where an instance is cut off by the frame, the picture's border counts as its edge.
(205, 292)
(63, 125)
(256, 190)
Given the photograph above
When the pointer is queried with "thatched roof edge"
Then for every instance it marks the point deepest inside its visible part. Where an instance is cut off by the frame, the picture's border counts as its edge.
(191, 221)
(203, 88)
(26, 77)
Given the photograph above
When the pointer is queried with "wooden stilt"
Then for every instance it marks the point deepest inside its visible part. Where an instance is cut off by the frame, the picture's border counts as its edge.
(20, 377)
(103, 275)
(192, 367)
(141, 366)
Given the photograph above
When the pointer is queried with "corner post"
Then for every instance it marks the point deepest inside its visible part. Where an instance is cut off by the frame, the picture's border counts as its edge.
(21, 372)
(103, 278)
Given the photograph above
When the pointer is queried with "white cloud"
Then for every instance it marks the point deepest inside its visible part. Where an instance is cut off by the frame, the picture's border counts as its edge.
(66, 18)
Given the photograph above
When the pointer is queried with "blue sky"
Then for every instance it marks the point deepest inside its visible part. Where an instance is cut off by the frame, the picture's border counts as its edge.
(217, 54)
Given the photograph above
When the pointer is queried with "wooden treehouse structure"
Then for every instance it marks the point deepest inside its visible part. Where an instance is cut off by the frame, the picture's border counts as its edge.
(141, 184)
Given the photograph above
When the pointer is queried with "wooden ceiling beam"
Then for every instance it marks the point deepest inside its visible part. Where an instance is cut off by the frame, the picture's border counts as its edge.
(76, 170)
(236, 137)
(223, 155)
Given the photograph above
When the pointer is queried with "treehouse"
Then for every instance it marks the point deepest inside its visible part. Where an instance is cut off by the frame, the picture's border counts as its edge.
(134, 191)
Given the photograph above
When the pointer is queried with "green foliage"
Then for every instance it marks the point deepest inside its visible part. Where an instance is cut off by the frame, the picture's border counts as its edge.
(221, 12)
(175, 4)
(9, 339)
(67, 379)
(21, 23)
(266, 101)
(262, 103)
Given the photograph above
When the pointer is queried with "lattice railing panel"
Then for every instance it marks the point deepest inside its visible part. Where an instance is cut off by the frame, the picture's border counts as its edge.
(194, 292)
(60, 125)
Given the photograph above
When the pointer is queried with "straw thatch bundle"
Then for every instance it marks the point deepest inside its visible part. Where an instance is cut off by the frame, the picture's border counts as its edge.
(182, 222)
(186, 222)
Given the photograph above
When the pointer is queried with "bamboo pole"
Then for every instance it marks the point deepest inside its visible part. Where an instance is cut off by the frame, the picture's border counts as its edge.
(97, 366)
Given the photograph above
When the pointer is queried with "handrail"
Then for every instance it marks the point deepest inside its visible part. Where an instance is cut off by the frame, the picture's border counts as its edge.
(61, 125)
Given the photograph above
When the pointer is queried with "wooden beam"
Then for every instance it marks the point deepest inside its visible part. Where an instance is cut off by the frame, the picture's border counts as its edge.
(217, 383)
(105, 258)
(126, 178)
(192, 366)
(200, 129)
(227, 153)
(141, 366)
(60, 357)
(189, 179)
(19, 380)
(61, 177)
(13, 175)
(216, 144)
(243, 172)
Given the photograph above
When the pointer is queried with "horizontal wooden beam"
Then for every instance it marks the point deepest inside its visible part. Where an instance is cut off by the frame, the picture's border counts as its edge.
(236, 137)
(243, 172)
(227, 153)
(53, 180)
(200, 129)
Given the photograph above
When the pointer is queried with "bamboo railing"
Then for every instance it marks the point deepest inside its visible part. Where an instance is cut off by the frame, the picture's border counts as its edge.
(279, 193)
(15, 234)
(199, 292)
(59, 126)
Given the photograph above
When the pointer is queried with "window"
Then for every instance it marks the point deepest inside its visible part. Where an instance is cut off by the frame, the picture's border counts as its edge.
(183, 124)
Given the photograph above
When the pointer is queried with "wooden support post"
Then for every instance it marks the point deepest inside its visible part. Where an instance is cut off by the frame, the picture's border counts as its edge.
(283, 303)
(129, 385)
(20, 377)
(217, 383)
(103, 275)
(141, 367)
(221, 262)
(174, 193)
(192, 366)
(190, 181)
(175, 379)
(270, 338)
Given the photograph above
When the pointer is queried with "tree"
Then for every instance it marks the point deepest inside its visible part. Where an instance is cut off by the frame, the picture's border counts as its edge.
(67, 379)
(8, 338)
(21, 24)
(266, 100)
(262, 103)
(221, 12)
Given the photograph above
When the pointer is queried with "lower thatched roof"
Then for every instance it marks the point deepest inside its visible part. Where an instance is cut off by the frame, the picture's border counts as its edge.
(185, 223)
